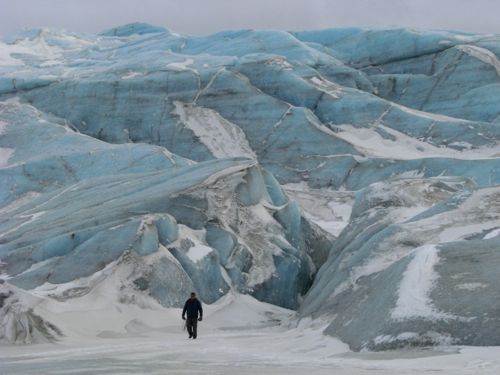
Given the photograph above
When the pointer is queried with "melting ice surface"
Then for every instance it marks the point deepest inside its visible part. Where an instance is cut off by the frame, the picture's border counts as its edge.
(347, 174)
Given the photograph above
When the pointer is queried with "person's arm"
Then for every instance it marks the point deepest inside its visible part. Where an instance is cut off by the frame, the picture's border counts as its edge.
(200, 309)
(184, 311)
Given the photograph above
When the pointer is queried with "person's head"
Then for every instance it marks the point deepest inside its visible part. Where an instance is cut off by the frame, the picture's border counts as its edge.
(193, 295)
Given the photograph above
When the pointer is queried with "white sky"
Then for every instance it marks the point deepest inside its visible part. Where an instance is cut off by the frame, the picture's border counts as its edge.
(207, 16)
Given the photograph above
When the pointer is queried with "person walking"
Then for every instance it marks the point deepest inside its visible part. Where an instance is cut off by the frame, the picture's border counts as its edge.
(192, 307)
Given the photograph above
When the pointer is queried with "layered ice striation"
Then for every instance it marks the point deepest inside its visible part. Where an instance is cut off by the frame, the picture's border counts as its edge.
(74, 204)
(416, 265)
(161, 157)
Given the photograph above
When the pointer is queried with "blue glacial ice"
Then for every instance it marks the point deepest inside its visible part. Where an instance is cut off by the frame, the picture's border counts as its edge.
(171, 160)
(94, 202)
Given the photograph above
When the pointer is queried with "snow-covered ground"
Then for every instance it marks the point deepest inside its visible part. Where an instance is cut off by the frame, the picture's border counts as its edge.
(238, 334)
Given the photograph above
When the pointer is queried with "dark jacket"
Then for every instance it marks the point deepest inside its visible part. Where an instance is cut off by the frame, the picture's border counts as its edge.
(192, 306)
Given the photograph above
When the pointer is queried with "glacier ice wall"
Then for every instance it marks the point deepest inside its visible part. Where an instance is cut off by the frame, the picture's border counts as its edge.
(415, 266)
(162, 157)
(74, 205)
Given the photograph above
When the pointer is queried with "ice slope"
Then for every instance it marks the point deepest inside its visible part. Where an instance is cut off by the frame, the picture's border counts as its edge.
(416, 265)
(154, 87)
(161, 157)
(73, 205)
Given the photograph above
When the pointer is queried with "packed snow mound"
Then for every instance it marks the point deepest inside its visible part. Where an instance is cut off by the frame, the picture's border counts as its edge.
(18, 322)
(161, 157)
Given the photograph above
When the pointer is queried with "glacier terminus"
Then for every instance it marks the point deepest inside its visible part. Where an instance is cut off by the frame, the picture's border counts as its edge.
(345, 178)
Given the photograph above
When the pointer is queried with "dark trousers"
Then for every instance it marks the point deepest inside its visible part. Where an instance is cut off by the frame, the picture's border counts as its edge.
(192, 325)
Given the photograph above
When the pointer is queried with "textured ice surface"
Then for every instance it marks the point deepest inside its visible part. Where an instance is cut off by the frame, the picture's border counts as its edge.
(159, 158)
(417, 256)
(73, 205)
(19, 324)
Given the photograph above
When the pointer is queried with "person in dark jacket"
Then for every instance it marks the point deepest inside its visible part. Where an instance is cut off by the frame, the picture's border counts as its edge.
(192, 307)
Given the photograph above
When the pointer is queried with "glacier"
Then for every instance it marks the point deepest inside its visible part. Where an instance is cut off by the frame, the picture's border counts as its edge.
(106, 201)
(349, 174)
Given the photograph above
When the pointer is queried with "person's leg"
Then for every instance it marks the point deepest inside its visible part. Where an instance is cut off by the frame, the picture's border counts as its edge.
(195, 328)
(189, 326)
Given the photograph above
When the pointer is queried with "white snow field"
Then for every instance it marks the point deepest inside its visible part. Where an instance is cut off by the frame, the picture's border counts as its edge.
(238, 335)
